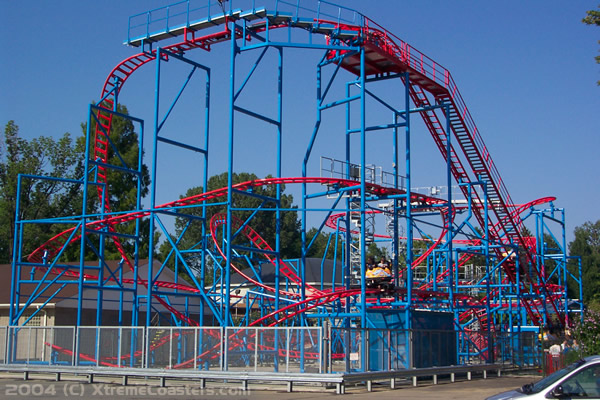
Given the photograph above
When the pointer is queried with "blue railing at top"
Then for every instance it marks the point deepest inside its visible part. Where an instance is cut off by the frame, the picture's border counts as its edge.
(188, 12)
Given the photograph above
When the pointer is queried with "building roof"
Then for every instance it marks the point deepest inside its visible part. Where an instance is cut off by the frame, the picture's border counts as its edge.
(111, 299)
(317, 270)
(64, 290)
(64, 286)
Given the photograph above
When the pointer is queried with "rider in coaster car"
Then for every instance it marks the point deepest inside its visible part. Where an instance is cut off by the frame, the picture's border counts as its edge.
(385, 266)
(370, 272)
(383, 269)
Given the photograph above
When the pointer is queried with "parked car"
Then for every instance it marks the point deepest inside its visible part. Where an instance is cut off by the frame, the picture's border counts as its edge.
(580, 380)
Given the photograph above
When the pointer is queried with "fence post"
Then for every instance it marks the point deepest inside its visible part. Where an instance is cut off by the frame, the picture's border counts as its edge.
(6, 333)
(225, 346)
(76, 346)
(97, 349)
(145, 334)
(329, 350)
(287, 349)
(9, 345)
(197, 330)
(411, 360)
(389, 347)
(321, 349)
(255, 349)
(170, 348)
(367, 343)
(323, 352)
(119, 346)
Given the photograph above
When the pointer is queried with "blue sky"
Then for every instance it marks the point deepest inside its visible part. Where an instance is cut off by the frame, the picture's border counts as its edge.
(526, 70)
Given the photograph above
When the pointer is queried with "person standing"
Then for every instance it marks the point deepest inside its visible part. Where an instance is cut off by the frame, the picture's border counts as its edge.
(555, 351)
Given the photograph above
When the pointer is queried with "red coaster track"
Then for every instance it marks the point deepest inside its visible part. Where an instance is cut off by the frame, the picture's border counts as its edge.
(384, 54)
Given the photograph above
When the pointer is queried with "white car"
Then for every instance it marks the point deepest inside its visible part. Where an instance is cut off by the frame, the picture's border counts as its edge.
(580, 380)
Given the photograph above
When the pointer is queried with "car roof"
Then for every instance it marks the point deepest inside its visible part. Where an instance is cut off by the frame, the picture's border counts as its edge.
(592, 358)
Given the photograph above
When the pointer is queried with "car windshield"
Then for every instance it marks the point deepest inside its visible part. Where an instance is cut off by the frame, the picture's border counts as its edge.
(550, 379)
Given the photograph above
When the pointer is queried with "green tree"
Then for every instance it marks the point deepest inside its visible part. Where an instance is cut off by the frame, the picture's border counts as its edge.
(122, 186)
(587, 246)
(52, 198)
(593, 18)
(373, 250)
(419, 247)
(40, 198)
(587, 334)
(320, 245)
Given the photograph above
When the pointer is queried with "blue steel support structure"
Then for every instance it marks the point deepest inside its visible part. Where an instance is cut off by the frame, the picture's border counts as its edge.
(409, 218)
(156, 222)
(354, 46)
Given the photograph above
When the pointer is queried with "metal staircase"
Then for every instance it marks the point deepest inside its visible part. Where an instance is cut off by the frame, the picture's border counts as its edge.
(386, 54)
(355, 247)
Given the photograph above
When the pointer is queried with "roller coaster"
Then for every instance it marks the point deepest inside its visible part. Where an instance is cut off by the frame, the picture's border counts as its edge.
(436, 243)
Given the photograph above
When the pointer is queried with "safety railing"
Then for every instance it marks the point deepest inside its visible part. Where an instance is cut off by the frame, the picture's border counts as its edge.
(189, 12)
(332, 168)
(109, 347)
(277, 350)
(38, 345)
(285, 349)
(3, 343)
(290, 349)
(170, 17)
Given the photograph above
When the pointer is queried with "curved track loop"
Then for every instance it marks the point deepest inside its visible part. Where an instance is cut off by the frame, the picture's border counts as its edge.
(53, 246)
(221, 219)
(300, 307)
(375, 39)
(467, 256)
(110, 90)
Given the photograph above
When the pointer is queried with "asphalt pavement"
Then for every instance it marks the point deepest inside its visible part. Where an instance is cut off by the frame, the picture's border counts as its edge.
(12, 385)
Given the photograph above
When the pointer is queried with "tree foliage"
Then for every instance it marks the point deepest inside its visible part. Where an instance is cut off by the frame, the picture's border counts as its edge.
(322, 244)
(587, 334)
(593, 18)
(587, 246)
(122, 188)
(189, 230)
(377, 252)
(40, 198)
(46, 198)
(124, 153)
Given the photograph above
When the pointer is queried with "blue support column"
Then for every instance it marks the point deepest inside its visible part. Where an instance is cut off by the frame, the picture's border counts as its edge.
(84, 211)
(487, 274)
(203, 267)
(363, 194)
(278, 211)
(363, 225)
(450, 217)
(153, 189)
(15, 297)
(229, 234)
(409, 220)
(564, 267)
